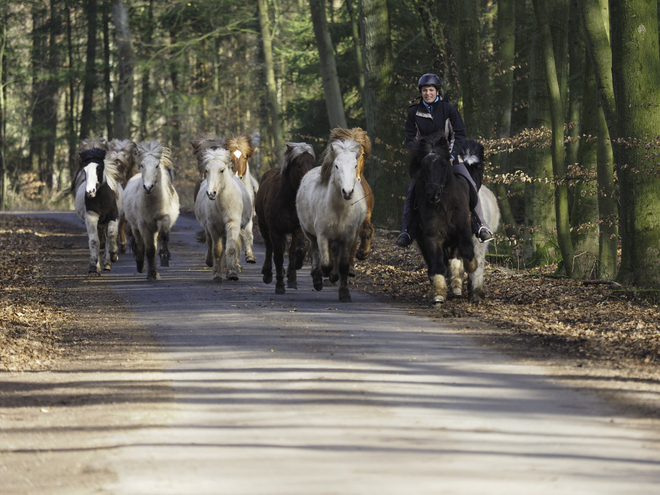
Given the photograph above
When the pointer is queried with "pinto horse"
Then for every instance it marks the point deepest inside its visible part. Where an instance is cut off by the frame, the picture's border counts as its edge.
(331, 206)
(99, 204)
(275, 204)
(240, 151)
(443, 217)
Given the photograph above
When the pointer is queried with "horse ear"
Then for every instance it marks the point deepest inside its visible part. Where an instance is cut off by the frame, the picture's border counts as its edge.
(195, 143)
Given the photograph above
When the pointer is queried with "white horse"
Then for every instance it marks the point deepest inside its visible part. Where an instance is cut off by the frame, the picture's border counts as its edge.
(331, 205)
(222, 208)
(152, 206)
(241, 150)
(99, 204)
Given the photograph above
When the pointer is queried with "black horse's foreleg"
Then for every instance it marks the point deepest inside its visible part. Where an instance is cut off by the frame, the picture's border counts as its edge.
(267, 268)
(296, 256)
(279, 245)
(344, 261)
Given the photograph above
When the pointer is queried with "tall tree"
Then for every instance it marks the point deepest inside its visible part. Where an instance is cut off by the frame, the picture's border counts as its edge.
(147, 30)
(357, 44)
(107, 85)
(271, 85)
(333, 98)
(90, 71)
(383, 125)
(3, 77)
(557, 140)
(636, 78)
(123, 102)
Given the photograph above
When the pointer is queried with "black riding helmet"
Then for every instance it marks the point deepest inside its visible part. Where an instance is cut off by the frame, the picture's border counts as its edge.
(429, 80)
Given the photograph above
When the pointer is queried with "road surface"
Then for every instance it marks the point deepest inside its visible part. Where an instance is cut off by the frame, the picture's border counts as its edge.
(245, 392)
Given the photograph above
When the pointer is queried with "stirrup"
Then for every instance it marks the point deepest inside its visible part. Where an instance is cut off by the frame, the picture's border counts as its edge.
(404, 239)
(484, 235)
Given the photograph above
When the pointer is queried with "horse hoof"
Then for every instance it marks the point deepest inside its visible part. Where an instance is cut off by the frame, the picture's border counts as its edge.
(351, 272)
(114, 257)
(279, 289)
(456, 293)
(217, 279)
(268, 278)
(361, 255)
(232, 276)
(344, 295)
(333, 277)
(250, 258)
(122, 248)
(93, 270)
(292, 284)
(318, 285)
(107, 267)
(152, 277)
(140, 267)
(438, 300)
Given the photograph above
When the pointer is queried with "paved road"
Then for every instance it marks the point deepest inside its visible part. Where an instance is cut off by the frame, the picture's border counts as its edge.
(253, 393)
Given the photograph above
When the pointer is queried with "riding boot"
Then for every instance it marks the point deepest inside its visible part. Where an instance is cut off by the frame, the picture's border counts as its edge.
(407, 232)
(479, 226)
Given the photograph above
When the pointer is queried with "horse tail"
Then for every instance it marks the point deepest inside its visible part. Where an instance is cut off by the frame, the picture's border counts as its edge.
(473, 158)
(200, 236)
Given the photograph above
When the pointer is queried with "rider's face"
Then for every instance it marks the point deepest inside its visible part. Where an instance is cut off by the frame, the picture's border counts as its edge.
(429, 93)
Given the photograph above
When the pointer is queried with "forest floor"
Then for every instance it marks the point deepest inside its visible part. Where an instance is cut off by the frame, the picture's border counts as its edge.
(599, 329)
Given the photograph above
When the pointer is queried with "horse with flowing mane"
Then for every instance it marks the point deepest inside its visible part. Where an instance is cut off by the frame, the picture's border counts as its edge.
(444, 232)
(366, 230)
(240, 151)
(122, 154)
(85, 144)
(331, 206)
(275, 205)
(222, 208)
(152, 206)
(99, 204)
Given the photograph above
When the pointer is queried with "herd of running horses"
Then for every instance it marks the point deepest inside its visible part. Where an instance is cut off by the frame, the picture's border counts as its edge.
(320, 209)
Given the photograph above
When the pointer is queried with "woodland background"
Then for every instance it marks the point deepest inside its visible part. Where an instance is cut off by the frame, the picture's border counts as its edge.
(563, 93)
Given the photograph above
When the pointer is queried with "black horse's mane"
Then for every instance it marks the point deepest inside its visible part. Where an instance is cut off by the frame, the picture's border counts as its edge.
(425, 145)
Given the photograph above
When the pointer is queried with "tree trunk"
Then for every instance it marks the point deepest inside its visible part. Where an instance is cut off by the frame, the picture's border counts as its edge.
(469, 46)
(90, 73)
(434, 31)
(333, 100)
(584, 211)
(557, 146)
(357, 44)
(52, 94)
(123, 102)
(107, 86)
(39, 57)
(144, 93)
(636, 70)
(505, 52)
(575, 85)
(384, 126)
(271, 85)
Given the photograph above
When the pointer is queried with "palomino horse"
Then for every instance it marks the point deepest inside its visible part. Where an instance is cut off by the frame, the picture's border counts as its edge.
(223, 208)
(241, 150)
(331, 206)
(152, 206)
(98, 204)
(366, 230)
(275, 205)
(122, 154)
(443, 217)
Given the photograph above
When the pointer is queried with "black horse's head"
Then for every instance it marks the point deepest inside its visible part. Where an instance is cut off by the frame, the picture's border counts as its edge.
(430, 165)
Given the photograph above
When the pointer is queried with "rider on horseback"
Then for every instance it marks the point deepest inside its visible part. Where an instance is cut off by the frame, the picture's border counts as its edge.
(429, 116)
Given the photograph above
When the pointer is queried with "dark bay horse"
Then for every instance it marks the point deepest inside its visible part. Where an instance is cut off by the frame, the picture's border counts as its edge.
(275, 204)
(442, 201)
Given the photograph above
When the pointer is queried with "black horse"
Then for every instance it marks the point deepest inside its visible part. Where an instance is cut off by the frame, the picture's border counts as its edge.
(442, 204)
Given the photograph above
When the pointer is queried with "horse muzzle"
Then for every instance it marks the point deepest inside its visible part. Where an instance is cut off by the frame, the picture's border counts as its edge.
(91, 193)
(148, 188)
(347, 195)
(211, 195)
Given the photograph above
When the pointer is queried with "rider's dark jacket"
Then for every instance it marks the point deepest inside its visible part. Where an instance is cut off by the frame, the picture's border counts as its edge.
(421, 122)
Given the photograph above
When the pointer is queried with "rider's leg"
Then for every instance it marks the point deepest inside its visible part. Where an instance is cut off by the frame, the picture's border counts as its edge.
(481, 230)
(407, 228)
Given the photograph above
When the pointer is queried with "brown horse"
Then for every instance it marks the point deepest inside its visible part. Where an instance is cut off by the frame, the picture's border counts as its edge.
(241, 150)
(366, 230)
(122, 154)
(275, 204)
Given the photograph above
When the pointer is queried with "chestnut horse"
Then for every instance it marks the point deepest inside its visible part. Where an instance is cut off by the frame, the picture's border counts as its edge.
(275, 204)
(241, 150)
